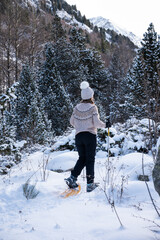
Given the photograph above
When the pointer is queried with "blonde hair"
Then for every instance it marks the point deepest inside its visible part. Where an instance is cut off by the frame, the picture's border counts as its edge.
(90, 100)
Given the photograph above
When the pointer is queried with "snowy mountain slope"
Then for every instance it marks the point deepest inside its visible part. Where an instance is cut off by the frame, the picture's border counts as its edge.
(36, 3)
(107, 24)
(71, 20)
(61, 13)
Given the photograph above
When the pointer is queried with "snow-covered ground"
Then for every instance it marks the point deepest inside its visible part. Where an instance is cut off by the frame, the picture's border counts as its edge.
(85, 216)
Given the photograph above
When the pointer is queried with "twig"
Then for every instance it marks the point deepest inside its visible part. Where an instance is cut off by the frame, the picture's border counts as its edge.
(113, 206)
(148, 220)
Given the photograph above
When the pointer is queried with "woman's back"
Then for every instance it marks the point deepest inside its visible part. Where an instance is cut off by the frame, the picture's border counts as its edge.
(85, 118)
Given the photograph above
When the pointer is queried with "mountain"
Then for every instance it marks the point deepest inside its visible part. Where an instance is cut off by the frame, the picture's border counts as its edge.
(101, 22)
(72, 16)
(27, 25)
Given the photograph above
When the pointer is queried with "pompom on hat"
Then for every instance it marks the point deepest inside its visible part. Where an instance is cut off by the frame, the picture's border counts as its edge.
(86, 91)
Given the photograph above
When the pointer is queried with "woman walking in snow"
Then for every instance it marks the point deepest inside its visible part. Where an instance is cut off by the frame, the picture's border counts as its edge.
(85, 119)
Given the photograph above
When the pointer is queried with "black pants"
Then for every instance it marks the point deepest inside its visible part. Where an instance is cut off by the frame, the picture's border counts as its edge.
(86, 147)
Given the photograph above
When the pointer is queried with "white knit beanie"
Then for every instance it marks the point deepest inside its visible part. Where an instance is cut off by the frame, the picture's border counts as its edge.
(86, 91)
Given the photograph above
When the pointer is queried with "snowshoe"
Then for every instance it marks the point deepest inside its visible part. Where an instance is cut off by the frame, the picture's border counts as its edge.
(71, 192)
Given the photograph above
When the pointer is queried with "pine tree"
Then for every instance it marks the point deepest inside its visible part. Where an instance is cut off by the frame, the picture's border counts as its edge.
(136, 89)
(24, 94)
(7, 127)
(57, 101)
(76, 38)
(89, 59)
(117, 92)
(144, 80)
(71, 70)
(31, 119)
(38, 123)
(59, 4)
(57, 29)
(151, 54)
(144, 77)
(65, 59)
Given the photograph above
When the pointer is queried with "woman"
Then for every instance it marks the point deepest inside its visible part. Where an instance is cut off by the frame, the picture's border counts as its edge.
(85, 119)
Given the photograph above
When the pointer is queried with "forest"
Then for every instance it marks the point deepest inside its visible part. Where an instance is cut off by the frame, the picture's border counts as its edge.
(43, 60)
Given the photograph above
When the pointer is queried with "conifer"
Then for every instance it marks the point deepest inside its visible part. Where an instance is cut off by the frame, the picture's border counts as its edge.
(57, 101)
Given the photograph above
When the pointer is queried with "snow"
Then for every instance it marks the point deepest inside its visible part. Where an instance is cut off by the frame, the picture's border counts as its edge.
(33, 3)
(72, 21)
(113, 130)
(62, 140)
(63, 161)
(107, 24)
(111, 141)
(158, 144)
(20, 144)
(36, 3)
(144, 121)
(115, 151)
(132, 145)
(85, 216)
(108, 37)
(118, 138)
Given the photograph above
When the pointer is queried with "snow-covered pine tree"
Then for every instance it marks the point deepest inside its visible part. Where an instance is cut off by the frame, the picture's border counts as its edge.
(57, 102)
(64, 59)
(136, 93)
(144, 78)
(7, 129)
(38, 123)
(150, 52)
(57, 29)
(116, 78)
(9, 153)
(143, 83)
(31, 119)
(68, 64)
(24, 95)
(77, 39)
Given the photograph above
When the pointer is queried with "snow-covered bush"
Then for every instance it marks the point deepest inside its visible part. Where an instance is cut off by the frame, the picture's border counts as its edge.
(132, 136)
(9, 152)
(10, 155)
(137, 135)
(65, 142)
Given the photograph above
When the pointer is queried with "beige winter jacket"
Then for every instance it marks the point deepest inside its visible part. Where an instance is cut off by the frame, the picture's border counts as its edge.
(85, 118)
